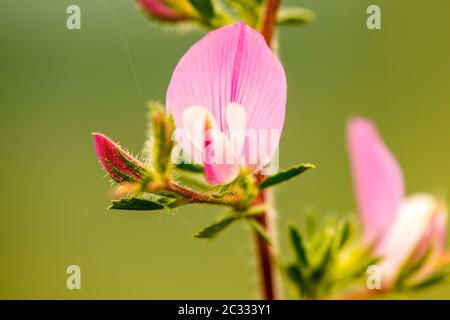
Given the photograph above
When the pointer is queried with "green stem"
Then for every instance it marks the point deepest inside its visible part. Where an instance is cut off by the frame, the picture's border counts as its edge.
(198, 197)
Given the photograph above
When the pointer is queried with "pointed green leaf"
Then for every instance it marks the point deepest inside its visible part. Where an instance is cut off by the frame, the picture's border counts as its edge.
(311, 223)
(294, 16)
(434, 279)
(248, 11)
(411, 267)
(162, 144)
(139, 204)
(297, 277)
(299, 247)
(211, 231)
(204, 7)
(324, 263)
(191, 167)
(259, 229)
(345, 231)
(285, 175)
(169, 199)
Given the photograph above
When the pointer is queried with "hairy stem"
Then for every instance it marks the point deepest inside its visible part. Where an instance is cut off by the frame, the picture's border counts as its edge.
(270, 20)
(265, 251)
(198, 197)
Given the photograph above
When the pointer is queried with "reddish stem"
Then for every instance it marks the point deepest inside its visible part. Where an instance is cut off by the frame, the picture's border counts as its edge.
(198, 197)
(270, 20)
(265, 250)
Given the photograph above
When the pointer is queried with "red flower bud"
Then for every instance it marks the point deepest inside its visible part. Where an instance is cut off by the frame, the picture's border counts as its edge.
(159, 9)
(120, 165)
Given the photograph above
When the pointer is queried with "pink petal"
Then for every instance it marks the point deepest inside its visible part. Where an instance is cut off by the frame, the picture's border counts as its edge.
(436, 233)
(203, 141)
(196, 121)
(236, 117)
(221, 166)
(159, 9)
(377, 178)
(415, 215)
(440, 228)
(232, 64)
(237, 124)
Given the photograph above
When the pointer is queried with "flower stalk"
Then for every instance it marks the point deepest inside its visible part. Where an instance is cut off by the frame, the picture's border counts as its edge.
(265, 251)
(270, 20)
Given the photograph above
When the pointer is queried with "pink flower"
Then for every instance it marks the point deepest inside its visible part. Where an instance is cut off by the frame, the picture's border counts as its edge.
(120, 165)
(228, 89)
(159, 9)
(400, 227)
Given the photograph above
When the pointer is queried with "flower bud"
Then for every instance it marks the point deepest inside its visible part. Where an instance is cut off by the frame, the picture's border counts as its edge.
(120, 165)
(161, 9)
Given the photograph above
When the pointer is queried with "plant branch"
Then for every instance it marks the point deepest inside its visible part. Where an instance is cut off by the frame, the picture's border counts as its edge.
(264, 250)
(197, 197)
(270, 20)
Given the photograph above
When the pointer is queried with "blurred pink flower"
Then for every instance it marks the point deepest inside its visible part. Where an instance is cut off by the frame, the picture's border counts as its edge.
(229, 82)
(120, 165)
(400, 227)
(160, 9)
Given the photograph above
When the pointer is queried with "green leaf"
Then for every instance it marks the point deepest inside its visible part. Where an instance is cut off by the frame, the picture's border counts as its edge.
(213, 230)
(191, 167)
(311, 222)
(345, 231)
(204, 7)
(169, 199)
(411, 267)
(259, 229)
(249, 189)
(247, 10)
(298, 245)
(162, 143)
(434, 279)
(254, 211)
(140, 204)
(294, 16)
(297, 277)
(285, 175)
(325, 262)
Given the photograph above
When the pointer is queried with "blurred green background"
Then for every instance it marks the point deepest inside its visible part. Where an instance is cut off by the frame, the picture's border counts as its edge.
(57, 86)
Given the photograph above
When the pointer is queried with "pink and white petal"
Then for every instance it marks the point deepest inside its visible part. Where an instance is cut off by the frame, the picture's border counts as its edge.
(435, 235)
(196, 121)
(377, 178)
(236, 117)
(232, 64)
(220, 163)
(441, 226)
(415, 215)
(236, 129)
